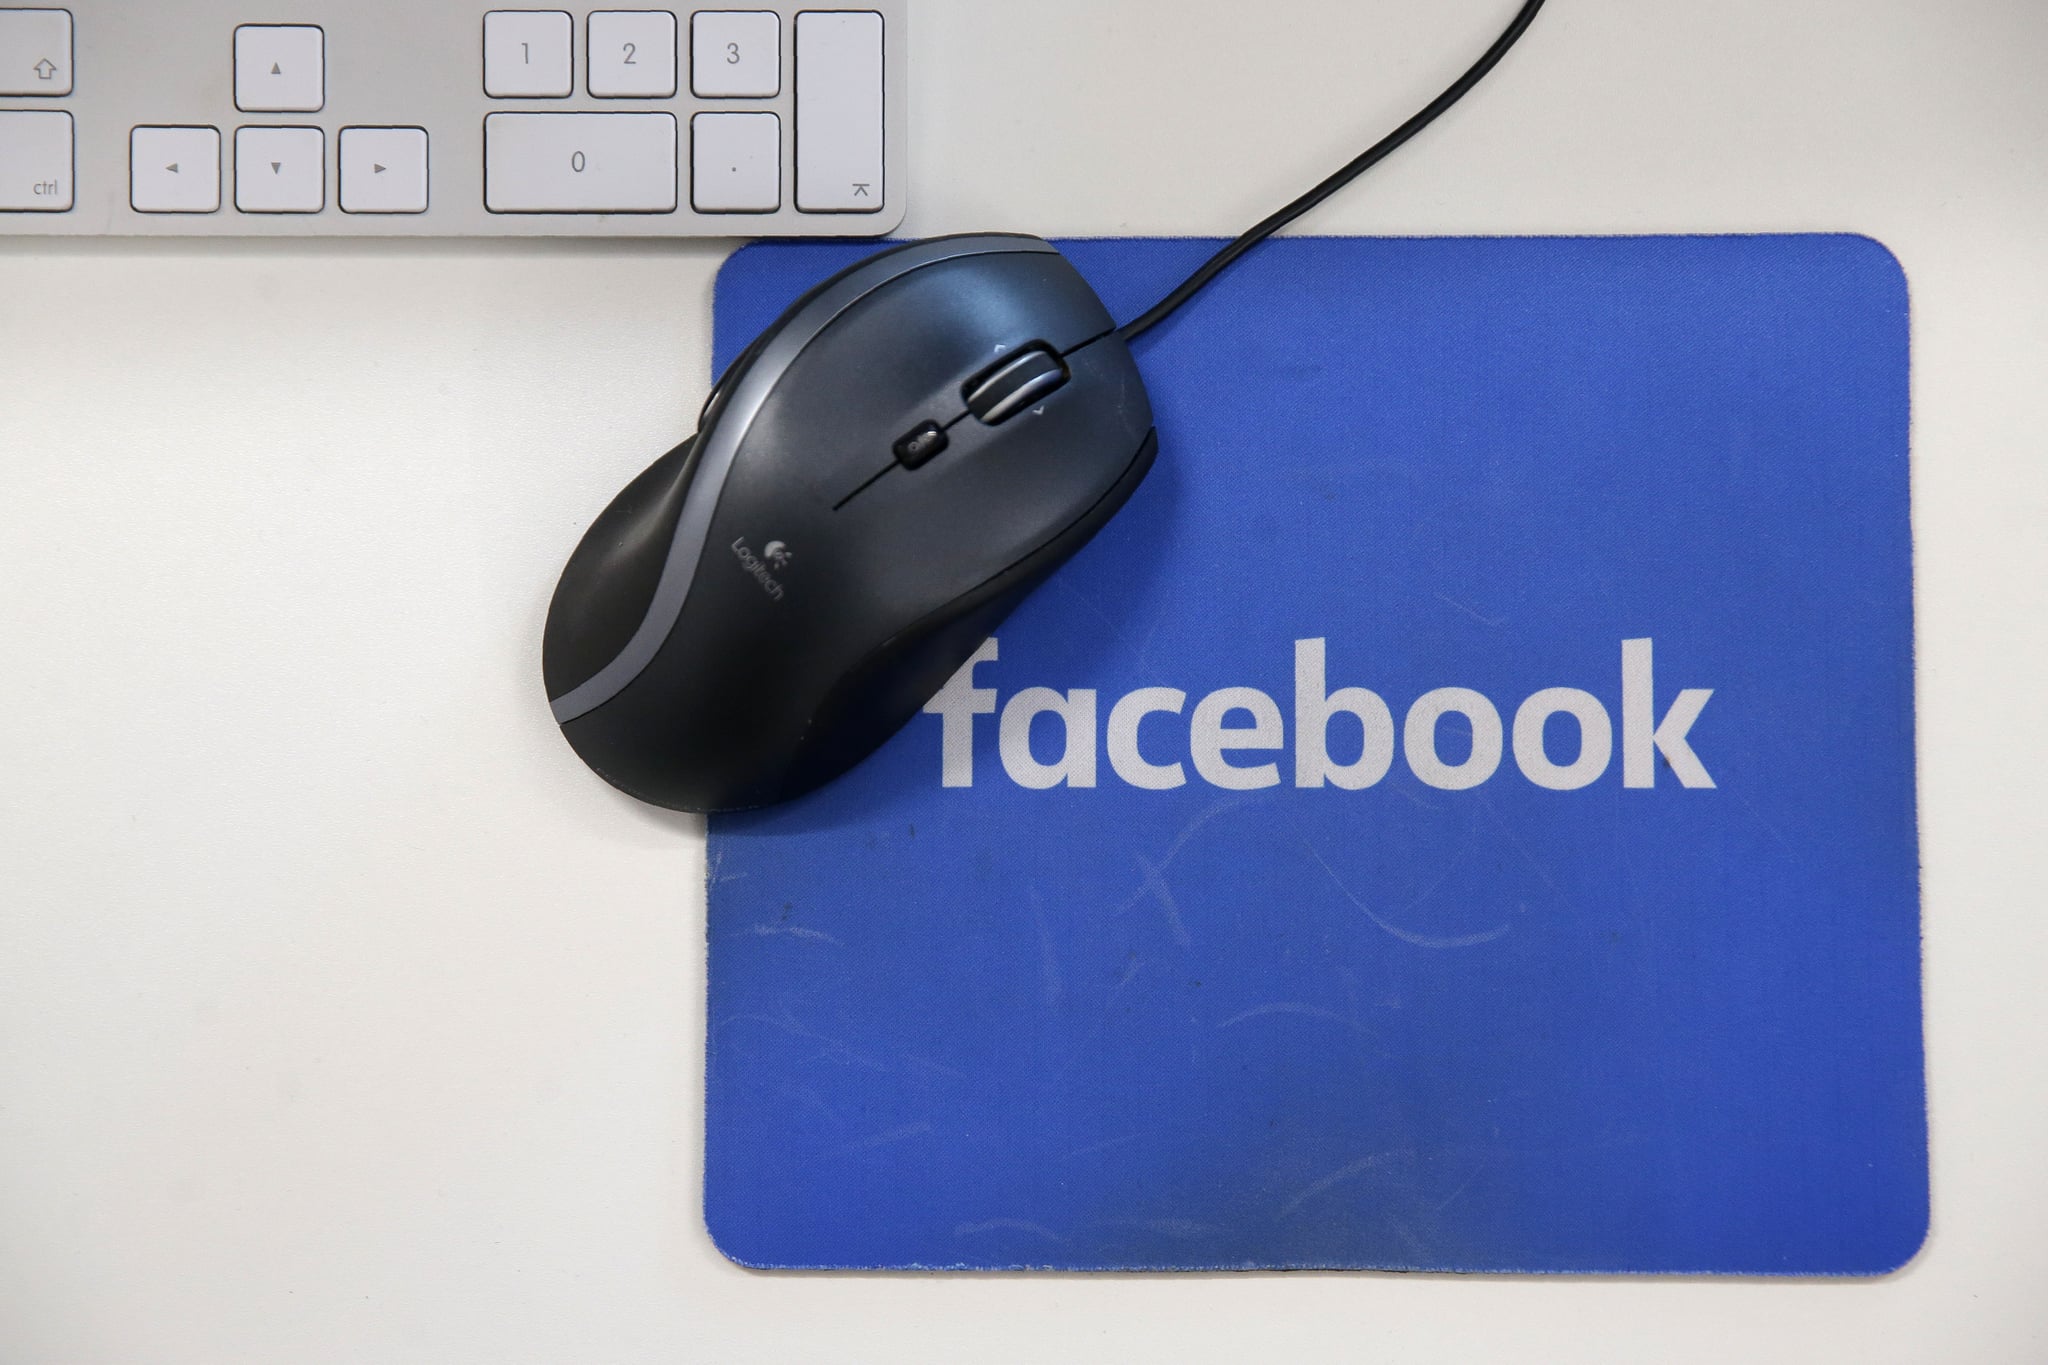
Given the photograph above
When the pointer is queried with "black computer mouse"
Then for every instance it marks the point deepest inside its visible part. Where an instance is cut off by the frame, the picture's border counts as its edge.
(881, 476)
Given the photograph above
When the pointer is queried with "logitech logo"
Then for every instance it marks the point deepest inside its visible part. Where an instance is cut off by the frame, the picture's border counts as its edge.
(1230, 727)
(757, 566)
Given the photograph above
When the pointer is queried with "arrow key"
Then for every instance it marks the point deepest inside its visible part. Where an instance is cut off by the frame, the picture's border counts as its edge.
(280, 170)
(383, 170)
(35, 52)
(174, 170)
(280, 68)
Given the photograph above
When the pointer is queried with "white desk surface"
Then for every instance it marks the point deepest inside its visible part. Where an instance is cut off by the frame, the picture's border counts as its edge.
(345, 1017)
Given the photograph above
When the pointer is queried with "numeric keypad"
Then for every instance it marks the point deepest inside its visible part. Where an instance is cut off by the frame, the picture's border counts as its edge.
(390, 117)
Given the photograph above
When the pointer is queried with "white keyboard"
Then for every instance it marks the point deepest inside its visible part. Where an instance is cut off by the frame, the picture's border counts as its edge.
(450, 118)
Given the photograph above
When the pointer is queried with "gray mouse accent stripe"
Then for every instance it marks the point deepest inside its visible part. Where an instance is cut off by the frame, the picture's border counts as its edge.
(714, 463)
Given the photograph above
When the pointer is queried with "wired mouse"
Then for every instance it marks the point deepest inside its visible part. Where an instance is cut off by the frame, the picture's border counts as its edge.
(874, 484)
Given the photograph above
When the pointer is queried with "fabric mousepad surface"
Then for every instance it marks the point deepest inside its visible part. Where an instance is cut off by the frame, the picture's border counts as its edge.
(1459, 816)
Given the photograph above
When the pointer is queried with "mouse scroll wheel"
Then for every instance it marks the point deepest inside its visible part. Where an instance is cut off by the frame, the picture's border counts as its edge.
(1001, 393)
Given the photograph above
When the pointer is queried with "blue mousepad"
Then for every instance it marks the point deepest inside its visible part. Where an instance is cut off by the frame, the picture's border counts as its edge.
(1460, 816)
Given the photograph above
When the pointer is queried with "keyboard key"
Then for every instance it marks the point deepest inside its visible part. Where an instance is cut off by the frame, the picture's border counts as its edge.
(383, 170)
(580, 163)
(280, 68)
(35, 162)
(526, 54)
(632, 54)
(280, 170)
(174, 170)
(736, 163)
(35, 52)
(736, 54)
(839, 112)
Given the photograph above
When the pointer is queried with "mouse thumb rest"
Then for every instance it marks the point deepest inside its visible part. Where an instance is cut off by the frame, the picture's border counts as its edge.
(609, 583)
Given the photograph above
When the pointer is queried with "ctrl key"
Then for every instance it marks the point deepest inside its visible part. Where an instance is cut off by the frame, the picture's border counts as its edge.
(35, 162)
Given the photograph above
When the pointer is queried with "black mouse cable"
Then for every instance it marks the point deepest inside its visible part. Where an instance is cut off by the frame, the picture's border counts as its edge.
(1223, 259)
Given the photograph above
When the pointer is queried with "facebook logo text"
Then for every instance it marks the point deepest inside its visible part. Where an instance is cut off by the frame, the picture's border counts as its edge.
(1235, 738)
